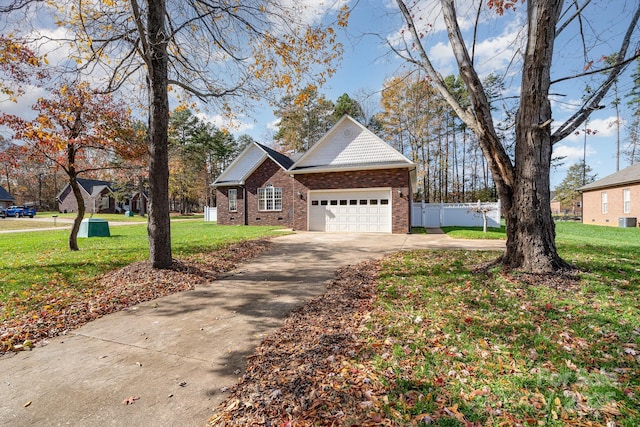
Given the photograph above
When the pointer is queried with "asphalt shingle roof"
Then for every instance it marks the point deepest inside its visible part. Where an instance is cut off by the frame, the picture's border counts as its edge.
(89, 184)
(4, 195)
(628, 175)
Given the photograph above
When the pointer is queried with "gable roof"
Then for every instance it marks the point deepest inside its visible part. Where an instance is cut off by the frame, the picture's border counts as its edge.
(629, 175)
(348, 145)
(4, 195)
(93, 186)
(247, 161)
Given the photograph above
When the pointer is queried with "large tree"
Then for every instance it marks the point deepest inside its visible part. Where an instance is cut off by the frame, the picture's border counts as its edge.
(79, 131)
(227, 52)
(304, 119)
(522, 182)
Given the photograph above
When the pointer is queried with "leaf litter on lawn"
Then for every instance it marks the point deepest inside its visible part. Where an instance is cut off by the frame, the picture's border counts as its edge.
(426, 338)
(304, 373)
(57, 308)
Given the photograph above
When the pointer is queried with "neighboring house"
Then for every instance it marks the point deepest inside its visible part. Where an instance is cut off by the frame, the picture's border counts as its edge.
(350, 180)
(560, 209)
(613, 197)
(131, 202)
(97, 195)
(6, 199)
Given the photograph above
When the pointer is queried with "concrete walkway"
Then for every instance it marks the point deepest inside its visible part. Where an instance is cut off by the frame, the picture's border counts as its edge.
(179, 353)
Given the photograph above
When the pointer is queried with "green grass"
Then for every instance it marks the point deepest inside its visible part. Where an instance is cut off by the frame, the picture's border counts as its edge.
(469, 345)
(475, 233)
(37, 259)
(114, 217)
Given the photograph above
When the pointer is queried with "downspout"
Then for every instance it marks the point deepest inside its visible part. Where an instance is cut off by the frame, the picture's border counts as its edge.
(244, 196)
(293, 203)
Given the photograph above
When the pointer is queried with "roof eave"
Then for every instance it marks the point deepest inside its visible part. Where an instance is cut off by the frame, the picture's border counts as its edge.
(333, 169)
(611, 185)
(228, 184)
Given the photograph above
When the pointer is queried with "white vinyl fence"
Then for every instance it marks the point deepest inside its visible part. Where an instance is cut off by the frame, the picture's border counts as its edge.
(210, 214)
(454, 214)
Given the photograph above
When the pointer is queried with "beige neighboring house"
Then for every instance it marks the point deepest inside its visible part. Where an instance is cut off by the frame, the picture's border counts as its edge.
(613, 200)
(97, 195)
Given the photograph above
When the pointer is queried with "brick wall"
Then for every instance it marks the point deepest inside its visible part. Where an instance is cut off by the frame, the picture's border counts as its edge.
(222, 203)
(592, 202)
(394, 178)
(268, 173)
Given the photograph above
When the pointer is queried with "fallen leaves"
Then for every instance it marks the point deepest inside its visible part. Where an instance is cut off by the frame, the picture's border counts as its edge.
(304, 373)
(130, 400)
(426, 341)
(61, 310)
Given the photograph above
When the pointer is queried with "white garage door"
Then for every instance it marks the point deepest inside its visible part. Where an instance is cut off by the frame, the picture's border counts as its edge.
(367, 211)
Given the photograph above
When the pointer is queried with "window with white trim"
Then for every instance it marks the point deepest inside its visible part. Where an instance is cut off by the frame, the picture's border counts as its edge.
(626, 197)
(270, 199)
(233, 200)
(605, 204)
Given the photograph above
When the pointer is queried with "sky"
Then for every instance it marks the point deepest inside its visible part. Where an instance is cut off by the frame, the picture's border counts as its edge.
(367, 63)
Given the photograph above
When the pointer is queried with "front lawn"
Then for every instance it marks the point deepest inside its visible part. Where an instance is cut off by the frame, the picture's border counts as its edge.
(438, 338)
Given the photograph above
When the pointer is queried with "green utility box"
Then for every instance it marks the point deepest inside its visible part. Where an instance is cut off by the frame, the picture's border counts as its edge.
(128, 213)
(94, 227)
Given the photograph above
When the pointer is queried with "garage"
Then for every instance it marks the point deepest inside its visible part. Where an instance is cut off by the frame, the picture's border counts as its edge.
(365, 211)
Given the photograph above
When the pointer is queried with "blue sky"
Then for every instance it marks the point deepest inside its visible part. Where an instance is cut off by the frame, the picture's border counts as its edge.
(367, 63)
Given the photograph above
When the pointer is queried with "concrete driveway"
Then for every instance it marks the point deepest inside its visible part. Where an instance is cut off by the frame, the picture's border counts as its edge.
(179, 353)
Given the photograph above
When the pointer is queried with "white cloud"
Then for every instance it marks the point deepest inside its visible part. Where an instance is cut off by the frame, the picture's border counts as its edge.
(233, 125)
(274, 125)
(572, 154)
(599, 129)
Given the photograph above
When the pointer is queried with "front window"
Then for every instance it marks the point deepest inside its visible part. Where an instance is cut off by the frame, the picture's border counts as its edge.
(270, 199)
(104, 202)
(233, 200)
(605, 204)
(626, 194)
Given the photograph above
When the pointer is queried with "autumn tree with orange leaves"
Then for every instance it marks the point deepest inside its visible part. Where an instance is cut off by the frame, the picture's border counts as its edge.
(227, 53)
(80, 131)
(19, 65)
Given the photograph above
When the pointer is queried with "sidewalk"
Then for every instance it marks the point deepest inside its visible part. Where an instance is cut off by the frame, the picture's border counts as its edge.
(179, 353)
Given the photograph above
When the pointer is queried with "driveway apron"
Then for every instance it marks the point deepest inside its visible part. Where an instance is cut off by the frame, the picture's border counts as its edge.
(175, 356)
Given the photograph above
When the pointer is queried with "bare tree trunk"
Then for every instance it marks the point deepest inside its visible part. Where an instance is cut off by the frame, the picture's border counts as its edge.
(141, 208)
(159, 226)
(73, 236)
(530, 228)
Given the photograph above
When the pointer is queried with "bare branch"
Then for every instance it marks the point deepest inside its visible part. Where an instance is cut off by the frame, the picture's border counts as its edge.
(593, 102)
(577, 13)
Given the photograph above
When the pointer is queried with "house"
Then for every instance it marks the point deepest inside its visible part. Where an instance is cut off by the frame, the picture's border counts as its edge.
(613, 197)
(571, 209)
(98, 197)
(350, 180)
(6, 199)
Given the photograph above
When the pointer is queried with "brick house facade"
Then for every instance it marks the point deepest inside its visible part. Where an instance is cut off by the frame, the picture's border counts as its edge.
(264, 187)
(616, 196)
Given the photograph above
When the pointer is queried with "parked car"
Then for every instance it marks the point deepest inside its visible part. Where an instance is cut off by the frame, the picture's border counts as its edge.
(3, 212)
(29, 211)
(20, 211)
(14, 211)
